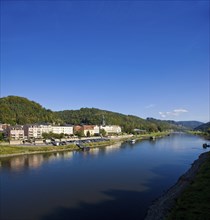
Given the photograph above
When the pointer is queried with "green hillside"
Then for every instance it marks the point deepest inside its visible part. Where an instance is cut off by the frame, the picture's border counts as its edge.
(127, 122)
(204, 127)
(19, 110)
(189, 124)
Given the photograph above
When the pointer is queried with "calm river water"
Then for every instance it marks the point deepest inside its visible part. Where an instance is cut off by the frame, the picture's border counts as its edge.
(115, 182)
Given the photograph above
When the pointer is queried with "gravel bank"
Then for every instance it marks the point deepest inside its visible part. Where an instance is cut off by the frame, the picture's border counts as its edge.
(162, 206)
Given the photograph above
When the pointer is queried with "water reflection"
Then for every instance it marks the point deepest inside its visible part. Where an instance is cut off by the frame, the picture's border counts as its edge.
(34, 161)
(18, 163)
(112, 148)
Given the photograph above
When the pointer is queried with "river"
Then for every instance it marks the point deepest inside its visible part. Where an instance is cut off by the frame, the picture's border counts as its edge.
(114, 182)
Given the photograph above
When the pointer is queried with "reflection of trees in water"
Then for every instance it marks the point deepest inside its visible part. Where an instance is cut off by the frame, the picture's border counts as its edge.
(19, 163)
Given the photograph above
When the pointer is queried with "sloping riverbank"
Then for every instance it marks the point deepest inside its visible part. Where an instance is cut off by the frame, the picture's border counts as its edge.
(161, 208)
(8, 151)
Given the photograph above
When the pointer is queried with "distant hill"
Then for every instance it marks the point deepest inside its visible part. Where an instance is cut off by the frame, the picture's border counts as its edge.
(165, 124)
(204, 127)
(190, 124)
(186, 124)
(19, 110)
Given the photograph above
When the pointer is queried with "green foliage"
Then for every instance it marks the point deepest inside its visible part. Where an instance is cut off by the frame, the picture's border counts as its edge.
(80, 134)
(88, 133)
(103, 132)
(127, 122)
(194, 201)
(18, 110)
(1, 136)
(52, 135)
(204, 127)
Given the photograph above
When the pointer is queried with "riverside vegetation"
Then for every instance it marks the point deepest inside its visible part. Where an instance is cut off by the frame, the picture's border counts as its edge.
(193, 204)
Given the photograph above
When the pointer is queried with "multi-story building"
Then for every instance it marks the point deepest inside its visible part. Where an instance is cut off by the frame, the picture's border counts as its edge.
(67, 129)
(33, 131)
(111, 129)
(3, 127)
(15, 132)
(36, 130)
(46, 128)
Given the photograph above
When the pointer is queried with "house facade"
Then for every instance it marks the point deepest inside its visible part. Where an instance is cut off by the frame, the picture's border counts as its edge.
(3, 127)
(33, 131)
(67, 129)
(36, 130)
(111, 129)
(15, 132)
(91, 129)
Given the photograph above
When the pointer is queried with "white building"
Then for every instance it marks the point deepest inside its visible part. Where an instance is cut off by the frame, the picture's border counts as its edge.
(33, 131)
(96, 129)
(67, 129)
(47, 128)
(36, 130)
(115, 129)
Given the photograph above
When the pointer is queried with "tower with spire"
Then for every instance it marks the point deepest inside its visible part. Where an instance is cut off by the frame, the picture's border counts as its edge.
(103, 121)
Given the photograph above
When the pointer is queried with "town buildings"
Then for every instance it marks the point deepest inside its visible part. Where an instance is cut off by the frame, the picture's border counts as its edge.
(36, 131)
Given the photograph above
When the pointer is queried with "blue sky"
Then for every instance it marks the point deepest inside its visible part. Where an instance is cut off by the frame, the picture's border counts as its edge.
(145, 58)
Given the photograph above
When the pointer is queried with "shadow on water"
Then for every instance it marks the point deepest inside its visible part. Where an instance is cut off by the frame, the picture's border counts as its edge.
(122, 204)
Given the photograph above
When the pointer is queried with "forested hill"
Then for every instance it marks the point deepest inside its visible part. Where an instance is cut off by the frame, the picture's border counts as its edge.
(189, 124)
(182, 125)
(19, 110)
(127, 122)
(204, 127)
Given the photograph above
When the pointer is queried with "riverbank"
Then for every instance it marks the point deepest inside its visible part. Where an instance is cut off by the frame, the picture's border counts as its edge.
(184, 192)
(8, 151)
(205, 135)
(12, 150)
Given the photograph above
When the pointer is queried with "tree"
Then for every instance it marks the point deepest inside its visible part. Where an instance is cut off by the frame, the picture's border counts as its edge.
(79, 134)
(1, 136)
(102, 132)
(88, 133)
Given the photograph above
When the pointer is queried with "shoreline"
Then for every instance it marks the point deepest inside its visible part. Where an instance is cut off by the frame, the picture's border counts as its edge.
(73, 148)
(162, 206)
(113, 140)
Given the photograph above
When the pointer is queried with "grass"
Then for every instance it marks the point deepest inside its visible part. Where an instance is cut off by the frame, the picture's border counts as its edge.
(194, 203)
(100, 144)
(9, 150)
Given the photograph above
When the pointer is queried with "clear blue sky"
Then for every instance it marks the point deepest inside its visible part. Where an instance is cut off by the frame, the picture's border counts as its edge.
(146, 58)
